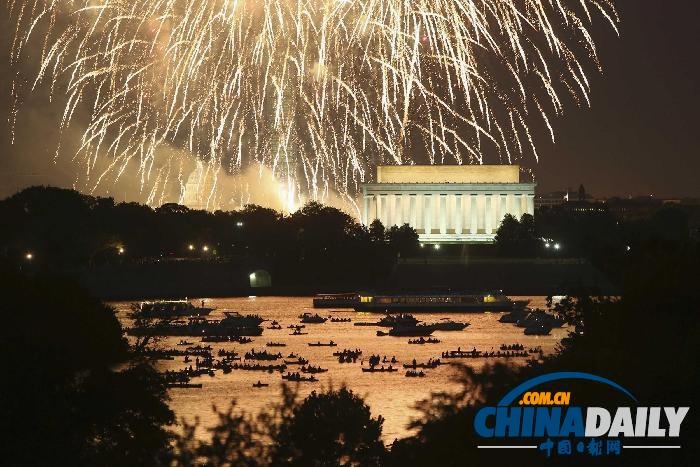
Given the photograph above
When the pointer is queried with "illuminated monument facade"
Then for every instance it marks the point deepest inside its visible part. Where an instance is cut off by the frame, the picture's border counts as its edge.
(447, 204)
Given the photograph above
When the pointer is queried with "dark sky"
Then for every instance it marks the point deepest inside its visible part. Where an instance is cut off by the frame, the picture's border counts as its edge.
(641, 134)
(639, 137)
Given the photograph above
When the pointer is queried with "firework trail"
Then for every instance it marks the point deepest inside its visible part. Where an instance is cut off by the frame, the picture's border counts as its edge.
(318, 91)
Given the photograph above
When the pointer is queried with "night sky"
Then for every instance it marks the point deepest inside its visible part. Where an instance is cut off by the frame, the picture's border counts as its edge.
(639, 137)
(641, 134)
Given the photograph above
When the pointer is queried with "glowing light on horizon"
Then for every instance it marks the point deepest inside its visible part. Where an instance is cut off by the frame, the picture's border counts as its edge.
(317, 91)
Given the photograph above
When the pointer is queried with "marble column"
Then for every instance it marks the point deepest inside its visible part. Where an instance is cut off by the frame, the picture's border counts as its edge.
(503, 208)
(458, 214)
(518, 205)
(412, 213)
(398, 210)
(488, 213)
(428, 214)
(443, 214)
(473, 210)
(365, 209)
(531, 204)
(381, 209)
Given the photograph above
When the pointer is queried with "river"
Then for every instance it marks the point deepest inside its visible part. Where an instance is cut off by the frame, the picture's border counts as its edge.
(391, 395)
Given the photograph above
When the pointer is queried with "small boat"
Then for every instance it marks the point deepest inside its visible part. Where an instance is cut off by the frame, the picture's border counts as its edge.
(421, 341)
(260, 385)
(298, 378)
(298, 332)
(296, 326)
(408, 331)
(446, 324)
(340, 320)
(538, 329)
(276, 344)
(274, 326)
(183, 342)
(414, 374)
(322, 344)
(312, 369)
(298, 361)
(185, 385)
(312, 319)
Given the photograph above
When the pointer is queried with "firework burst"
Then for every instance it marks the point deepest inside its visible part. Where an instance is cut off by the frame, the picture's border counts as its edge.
(318, 91)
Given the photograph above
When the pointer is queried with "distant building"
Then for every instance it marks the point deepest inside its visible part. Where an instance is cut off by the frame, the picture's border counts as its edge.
(548, 200)
(447, 204)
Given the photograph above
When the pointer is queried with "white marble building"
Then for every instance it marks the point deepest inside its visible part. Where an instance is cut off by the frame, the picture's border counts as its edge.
(447, 204)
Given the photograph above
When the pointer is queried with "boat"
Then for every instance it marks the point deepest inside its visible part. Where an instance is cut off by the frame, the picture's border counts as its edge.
(429, 365)
(232, 324)
(274, 326)
(446, 324)
(435, 302)
(298, 378)
(184, 342)
(540, 316)
(185, 385)
(312, 369)
(408, 331)
(168, 309)
(260, 385)
(262, 355)
(276, 344)
(398, 320)
(312, 319)
(414, 374)
(322, 344)
(298, 361)
(421, 341)
(297, 332)
(514, 316)
(340, 320)
(340, 300)
(538, 329)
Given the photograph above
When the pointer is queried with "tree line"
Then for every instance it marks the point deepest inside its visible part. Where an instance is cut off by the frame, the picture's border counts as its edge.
(55, 229)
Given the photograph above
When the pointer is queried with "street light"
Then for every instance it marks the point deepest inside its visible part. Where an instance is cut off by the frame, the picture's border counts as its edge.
(436, 246)
(557, 246)
(239, 224)
(190, 247)
(121, 250)
(205, 248)
(29, 256)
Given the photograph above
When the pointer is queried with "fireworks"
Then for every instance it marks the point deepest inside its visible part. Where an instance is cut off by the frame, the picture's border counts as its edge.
(317, 91)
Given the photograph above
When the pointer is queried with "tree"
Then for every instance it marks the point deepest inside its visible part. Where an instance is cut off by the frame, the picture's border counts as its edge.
(331, 428)
(62, 400)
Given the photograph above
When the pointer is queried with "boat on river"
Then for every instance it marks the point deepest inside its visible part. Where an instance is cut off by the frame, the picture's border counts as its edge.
(233, 324)
(436, 302)
(168, 309)
(408, 331)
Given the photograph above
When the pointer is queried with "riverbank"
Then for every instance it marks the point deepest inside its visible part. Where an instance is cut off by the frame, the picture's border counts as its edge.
(176, 279)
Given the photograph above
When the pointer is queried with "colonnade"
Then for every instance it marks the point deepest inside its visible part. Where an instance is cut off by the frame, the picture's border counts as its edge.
(436, 213)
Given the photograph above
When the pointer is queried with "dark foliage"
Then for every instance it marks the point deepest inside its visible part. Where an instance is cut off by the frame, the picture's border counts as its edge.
(317, 245)
(70, 395)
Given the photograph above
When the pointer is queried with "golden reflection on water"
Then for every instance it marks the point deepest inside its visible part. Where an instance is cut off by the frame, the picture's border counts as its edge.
(391, 395)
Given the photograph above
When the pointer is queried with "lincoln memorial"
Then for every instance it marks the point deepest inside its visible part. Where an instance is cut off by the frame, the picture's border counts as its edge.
(447, 204)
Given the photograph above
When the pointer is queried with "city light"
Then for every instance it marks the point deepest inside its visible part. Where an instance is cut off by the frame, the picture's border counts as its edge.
(557, 246)
(436, 246)
(421, 245)
(190, 247)
(546, 245)
(205, 248)
(252, 276)
(121, 250)
(239, 224)
(29, 256)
